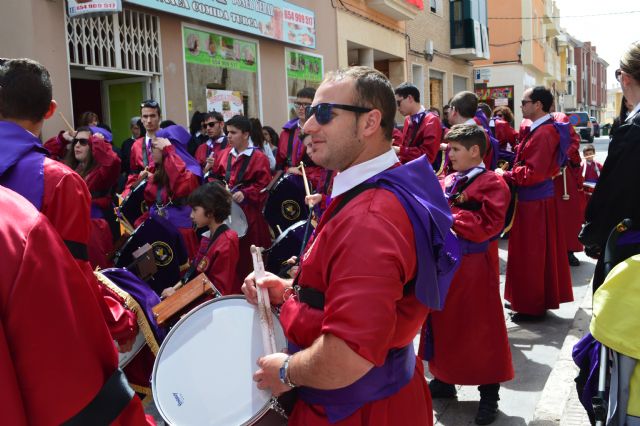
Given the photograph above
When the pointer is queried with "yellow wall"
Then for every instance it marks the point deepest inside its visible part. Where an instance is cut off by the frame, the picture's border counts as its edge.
(506, 32)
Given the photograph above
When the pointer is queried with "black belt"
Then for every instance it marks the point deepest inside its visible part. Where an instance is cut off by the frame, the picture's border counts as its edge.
(106, 406)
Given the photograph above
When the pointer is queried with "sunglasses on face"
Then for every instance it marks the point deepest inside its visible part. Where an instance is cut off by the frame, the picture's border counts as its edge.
(212, 124)
(149, 104)
(82, 142)
(323, 111)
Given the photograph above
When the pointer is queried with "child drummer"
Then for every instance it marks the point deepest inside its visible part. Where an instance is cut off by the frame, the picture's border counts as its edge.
(217, 256)
(470, 345)
(590, 170)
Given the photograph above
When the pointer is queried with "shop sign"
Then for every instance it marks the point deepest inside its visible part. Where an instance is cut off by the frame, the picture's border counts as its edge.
(226, 102)
(495, 93)
(78, 8)
(275, 19)
(304, 66)
(204, 48)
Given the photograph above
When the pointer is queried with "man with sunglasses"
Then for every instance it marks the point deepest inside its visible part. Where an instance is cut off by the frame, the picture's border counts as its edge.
(62, 196)
(538, 275)
(290, 147)
(361, 294)
(213, 123)
(422, 131)
(140, 157)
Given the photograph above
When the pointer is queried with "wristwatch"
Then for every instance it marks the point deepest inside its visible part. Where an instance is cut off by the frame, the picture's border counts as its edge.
(284, 373)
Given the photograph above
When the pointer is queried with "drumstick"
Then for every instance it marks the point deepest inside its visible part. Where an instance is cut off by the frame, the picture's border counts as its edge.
(279, 229)
(304, 178)
(264, 304)
(71, 129)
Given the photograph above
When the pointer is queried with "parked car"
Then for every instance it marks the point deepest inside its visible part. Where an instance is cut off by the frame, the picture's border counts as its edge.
(580, 120)
(596, 127)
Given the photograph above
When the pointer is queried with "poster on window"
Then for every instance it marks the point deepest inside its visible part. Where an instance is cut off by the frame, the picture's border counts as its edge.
(79, 8)
(304, 66)
(227, 102)
(204, 48)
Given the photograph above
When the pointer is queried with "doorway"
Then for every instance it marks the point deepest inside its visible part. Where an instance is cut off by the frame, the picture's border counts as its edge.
(122, 99)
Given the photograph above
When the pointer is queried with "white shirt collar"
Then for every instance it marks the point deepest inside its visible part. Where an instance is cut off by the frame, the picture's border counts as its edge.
(210, 142)
(633, 112)
(539, 121)
(247, 151)
(357, 174)
(471, 121)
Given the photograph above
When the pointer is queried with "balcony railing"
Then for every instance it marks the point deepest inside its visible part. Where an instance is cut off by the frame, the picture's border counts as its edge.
(399, 10)
(469, 40)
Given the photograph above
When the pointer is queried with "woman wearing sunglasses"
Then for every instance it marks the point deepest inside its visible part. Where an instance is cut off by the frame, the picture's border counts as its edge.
(95, 161)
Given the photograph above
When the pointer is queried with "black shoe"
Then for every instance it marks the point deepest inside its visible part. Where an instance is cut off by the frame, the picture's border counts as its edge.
(573, 260)
(440, 389)
(520, 317)
(487, 412)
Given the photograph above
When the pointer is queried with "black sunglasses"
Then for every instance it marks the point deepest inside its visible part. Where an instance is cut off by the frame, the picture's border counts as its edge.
(149, 104)
(212, 123)
(323, 111)
(82, 142)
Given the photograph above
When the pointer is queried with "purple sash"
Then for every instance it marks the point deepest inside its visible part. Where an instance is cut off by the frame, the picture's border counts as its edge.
(22, 162)
(565, 141)
(469, 247)
(379, 383)
(418, 190)
(96, 212)
(179, 216)
(629, 237)
(540, 191)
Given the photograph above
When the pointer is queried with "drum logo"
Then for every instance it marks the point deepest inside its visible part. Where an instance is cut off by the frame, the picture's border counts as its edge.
(290, 210)
(203, 264)
(162, 253)
(179, 398)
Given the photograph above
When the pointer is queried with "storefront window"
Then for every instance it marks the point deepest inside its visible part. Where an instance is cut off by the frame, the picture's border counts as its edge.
(222, 73)
(303, 70)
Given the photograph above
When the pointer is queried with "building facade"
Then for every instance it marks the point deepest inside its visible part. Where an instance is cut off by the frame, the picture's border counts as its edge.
(188, 55)
(591, 81)
(524, 52)
(442, 40)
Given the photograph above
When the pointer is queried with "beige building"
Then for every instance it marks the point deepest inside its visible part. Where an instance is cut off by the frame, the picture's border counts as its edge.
(188, 59)
(437, 68)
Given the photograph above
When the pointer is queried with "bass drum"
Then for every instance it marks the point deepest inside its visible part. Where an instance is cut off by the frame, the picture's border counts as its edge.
(203, 373)
(288, 244)
(285, 204)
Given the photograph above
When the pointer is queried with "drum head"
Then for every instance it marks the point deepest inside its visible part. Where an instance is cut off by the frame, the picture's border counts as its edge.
(203, 373)
(285, 205)
(237, 220)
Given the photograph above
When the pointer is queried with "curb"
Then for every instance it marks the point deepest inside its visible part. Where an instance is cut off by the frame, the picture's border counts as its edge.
(560, 385)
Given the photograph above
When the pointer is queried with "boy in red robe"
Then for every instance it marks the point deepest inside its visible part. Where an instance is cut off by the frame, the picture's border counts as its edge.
(246, 171)
(422, 131)
(140, 158)
(217, 256)
(50, 375)
(470, 344)
(590, 171)
(206, 153)
(538, 276)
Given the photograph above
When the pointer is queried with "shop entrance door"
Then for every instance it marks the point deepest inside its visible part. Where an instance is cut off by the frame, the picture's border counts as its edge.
(122, 99)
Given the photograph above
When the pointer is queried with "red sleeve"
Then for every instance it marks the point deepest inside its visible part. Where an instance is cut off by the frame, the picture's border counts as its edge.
(201, 154)
(573, 153)
(315, 176)
(281, 154)
(427, 140)
(136, 163)
(258, 176)
(223, 257)
(396, 137)
(57, 147)
(479, 225)
(181, 181)
(540, 158)
(107, 171)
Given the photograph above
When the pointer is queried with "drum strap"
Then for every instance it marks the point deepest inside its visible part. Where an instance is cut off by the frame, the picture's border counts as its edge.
(187, 277)
(415, 128)
(78, 250)
(292, 135)
(243, 168)
(107, 405)
(315, 298)
(145, 154)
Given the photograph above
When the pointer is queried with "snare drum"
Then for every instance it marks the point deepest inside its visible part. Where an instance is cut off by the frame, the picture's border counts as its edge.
(285, 205)
(134, 205)
(237, 220)
(286, 245)
(203, 373)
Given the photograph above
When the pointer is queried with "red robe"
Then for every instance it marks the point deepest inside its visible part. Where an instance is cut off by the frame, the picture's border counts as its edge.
(469, 335)
(219, 262)
(297, 149)
(538, 276)
(427, 139)
(55, 350)
(100, 181)
(364, 301)
(57, 147)
(571, 210)
(136, 163)
(589, 172)
(204, 151)
(181, 184)
(506, 135)
(256, 177)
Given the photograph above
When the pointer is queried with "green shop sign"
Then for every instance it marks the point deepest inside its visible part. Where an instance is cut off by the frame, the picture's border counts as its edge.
(204, 48)
(303, 66)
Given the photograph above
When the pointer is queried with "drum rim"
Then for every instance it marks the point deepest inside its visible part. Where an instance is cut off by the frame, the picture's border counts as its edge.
(281, 237)
(266, 407)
